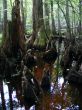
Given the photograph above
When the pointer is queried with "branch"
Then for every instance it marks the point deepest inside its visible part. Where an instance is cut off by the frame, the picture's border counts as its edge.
(62, 10)
(74, 10)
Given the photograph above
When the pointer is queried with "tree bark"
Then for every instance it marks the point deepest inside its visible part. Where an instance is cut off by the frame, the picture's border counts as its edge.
(24, 16)
(2, 96)
(59, 25)
(4, 18)
(35, 19)
(38, 22)
(10, 96)
(80, 17)
(53, 21)
(46, 17)
(68, 19)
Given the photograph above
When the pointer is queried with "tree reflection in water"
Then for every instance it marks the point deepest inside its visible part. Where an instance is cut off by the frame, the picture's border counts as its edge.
(56, 99)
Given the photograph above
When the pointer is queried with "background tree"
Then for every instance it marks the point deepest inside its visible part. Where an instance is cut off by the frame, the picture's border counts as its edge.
(53, 19)
(4, 18)
(53, 12)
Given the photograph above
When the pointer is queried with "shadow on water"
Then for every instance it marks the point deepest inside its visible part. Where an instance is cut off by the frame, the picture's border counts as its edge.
(60, 97)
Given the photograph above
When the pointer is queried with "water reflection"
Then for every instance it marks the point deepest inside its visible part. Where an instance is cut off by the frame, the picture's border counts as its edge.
(60, 81)
(56, 99)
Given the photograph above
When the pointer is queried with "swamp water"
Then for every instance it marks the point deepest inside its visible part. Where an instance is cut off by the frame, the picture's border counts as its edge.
(58, 98)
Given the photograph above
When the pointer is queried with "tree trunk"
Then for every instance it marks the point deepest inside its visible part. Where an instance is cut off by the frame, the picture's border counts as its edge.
(75, 28)
(80, 16)
(72, 30)
(0, 15)
(59, 25)
(46, 18)
(4, 18)
(0, 21)
(38, 22)
(35, 19)
(10, 96)
(43, 34)
(53, 21)
(2, 96)
(68, 19)
(18, 37)
(25, 17)
(23, 14)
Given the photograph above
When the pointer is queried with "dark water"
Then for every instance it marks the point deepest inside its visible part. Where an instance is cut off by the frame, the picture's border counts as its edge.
(57, 99)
